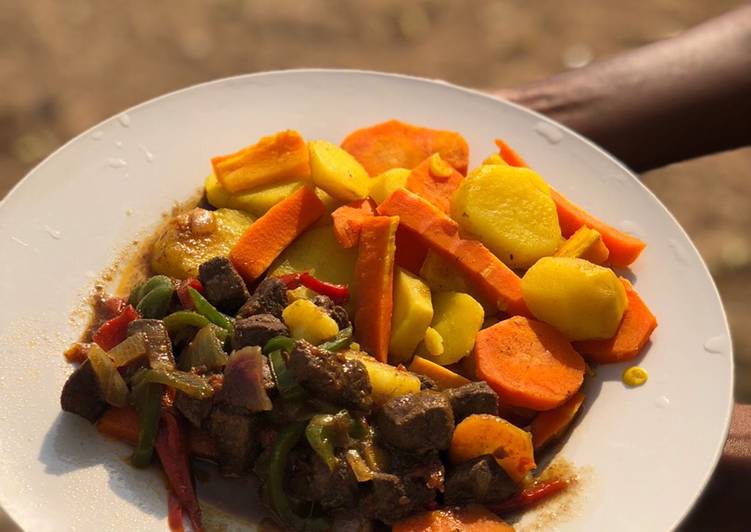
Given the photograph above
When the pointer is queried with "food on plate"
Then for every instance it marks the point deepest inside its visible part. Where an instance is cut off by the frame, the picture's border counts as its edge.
(380, 336)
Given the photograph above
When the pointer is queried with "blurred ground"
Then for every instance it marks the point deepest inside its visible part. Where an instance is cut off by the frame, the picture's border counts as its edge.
(65, 66)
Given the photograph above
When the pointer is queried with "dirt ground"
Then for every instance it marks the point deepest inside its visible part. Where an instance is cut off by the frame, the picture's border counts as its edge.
(66, 65)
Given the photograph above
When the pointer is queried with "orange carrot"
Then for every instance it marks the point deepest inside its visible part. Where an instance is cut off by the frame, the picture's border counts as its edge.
(549, 426)
(636, 326)
(348, 221)
(120, 423)
(410, 250)
(528, 363)
(374, 272)
(470, 518)
(263, 241)
(598, 253)
(623, 249)
(493, 279)
(434, 181)
(508, 154)
(394, 144)
(443, 377)
(272, 159)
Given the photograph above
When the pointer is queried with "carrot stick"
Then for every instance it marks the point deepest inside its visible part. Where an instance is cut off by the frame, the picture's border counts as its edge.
(263, 241)
(434, 180)
(623, 249)
(395, 144)
(509, 155)
(528, 363)
(273, 159)
(348, 221)
(493, 279)
(443, 377)
(374, 272)
(636, 327)
(470, 518)
(410, 250)
(548, 426)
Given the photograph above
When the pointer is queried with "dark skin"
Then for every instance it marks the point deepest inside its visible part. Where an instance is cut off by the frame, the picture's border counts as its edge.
(667, 102)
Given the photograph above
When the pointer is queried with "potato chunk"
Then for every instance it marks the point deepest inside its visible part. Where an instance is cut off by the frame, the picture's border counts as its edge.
(580, 299)
(382, 185)
(192, 238)
(456, 318)
(386, 381)
(308, 321)
(337, 172)
(509, 210)
(413, 311)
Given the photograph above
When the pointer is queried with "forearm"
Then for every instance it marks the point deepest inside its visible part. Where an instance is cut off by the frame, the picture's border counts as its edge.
(669, 101)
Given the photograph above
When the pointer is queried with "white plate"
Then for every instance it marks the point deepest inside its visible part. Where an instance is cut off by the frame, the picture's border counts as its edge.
(646, 453)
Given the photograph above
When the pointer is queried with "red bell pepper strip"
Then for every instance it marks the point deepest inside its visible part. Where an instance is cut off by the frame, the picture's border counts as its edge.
(182, 292)
(174, 513)
(171, 446)
(114, 331)
(339, 293)
(530, 496)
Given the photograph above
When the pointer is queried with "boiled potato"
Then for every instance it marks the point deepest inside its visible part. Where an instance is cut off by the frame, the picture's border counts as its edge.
(316, 251)
(413, 311)
(256, 201)
(443, 276)
(509, 210)
(308, 321)
(192, 238)
(580, 299)
(383, 185)
(337, 172)
(457, 318)
(386, 381)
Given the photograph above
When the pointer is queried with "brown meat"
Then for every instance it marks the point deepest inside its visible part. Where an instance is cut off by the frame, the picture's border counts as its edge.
(337, 313)
(269, 297)
(158, 343)
(390, 498)
(480, 480)
(82, 395)
(223, 286)
(472, 398)
(257, 330)
(235, 434)
(418, 422)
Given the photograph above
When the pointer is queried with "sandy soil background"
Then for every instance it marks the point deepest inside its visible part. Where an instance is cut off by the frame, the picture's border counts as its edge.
(64, 66)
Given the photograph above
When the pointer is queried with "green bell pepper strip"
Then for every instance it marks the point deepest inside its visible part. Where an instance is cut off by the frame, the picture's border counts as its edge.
(208, 310)
(155, 304)
(283, 343)
(205, 349)
(141, 289)
(184, 318)
(342, 340)
(325, 432)
(285, 441)
(190, 384)
(149, 406)
(285, 381)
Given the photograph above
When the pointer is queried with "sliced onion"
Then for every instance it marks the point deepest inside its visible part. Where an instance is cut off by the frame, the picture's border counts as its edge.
(113, 387)
(130, 349)
(360, 468)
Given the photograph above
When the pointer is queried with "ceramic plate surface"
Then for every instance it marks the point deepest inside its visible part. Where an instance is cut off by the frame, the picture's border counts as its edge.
(67, 220)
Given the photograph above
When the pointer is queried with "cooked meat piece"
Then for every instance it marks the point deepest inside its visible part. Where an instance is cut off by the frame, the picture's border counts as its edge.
(311, 480)
(331, 376)
(419, 422)
(390, 498)
(235, 435)
(337, 313)
(243, 384)
(82, 394)
(194, 410)
(223, 286)
(472, 398)
(480, 480)
(257, 330)
(269, 297)
(350, 520)
(426, 383)
(158, 343)
(424, 467)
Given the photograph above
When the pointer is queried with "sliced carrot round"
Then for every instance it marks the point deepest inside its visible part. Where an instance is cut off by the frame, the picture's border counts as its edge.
(528, 363)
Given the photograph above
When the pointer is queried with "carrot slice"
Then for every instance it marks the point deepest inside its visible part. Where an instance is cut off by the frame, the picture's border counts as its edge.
(549, 426)
(528, 363)
(263, 241)
(509, 155)
(276, 158)
(348, 221)
(636, 327)
(395, 144)
(432, 182)
(410, 250)
(374, 272)
(470, 518)
(493, 279)
(443, 377)
(623, 249)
